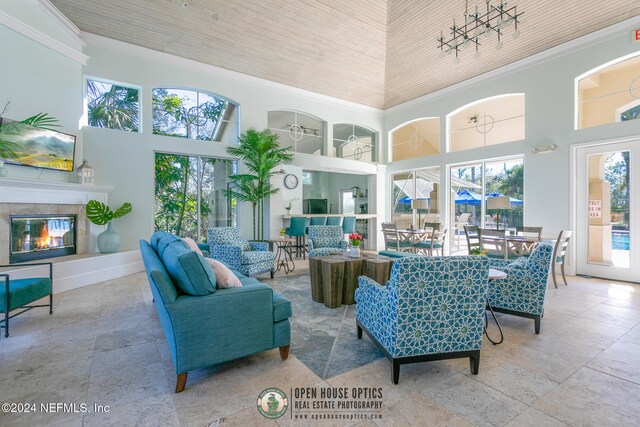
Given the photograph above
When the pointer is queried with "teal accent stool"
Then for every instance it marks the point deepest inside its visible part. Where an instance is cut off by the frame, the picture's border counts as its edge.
(431, 308)
(349, 224)
(334, 220)
(207, 330)
(298, 229)
(318, 220)
(18, 293)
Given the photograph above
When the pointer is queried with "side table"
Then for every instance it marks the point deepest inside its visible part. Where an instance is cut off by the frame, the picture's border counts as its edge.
(284, 259)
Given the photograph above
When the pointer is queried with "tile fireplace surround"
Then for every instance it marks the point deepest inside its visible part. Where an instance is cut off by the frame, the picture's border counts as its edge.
(35, 198)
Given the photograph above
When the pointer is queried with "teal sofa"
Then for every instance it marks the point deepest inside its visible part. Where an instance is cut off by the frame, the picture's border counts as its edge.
(219, 324)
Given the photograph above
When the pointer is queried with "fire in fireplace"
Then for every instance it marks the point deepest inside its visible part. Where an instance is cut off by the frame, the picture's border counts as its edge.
(41, 236)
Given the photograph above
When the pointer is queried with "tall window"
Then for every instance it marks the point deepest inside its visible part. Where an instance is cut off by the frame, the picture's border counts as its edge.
(490, 121)
(194, 115)
(609, 94)
(302, 132)
(415, 195)
(190, 194)
(113, 106)
(354, 142)
(418, 138)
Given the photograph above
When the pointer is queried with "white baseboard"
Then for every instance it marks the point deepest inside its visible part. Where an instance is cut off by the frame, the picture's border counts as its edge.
(76, 271)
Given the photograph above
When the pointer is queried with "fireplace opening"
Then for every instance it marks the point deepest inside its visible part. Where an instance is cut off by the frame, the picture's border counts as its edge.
(36, 237)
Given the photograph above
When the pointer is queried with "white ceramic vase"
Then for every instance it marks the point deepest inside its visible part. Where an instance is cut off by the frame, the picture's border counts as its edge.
(354, 252)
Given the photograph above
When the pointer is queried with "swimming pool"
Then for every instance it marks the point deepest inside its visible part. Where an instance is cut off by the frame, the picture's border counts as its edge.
(620, 241)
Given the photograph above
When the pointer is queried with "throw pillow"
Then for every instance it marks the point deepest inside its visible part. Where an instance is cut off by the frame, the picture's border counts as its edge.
(165, 241)
(189, 271)
(191, 244)
(224, 277)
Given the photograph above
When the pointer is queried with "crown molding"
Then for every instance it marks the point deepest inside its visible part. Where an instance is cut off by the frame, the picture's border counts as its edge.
(55, 13)
(41, 38)
(546, 55)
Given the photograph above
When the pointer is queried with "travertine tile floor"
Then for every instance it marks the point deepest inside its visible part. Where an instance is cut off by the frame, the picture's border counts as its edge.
(104, 345)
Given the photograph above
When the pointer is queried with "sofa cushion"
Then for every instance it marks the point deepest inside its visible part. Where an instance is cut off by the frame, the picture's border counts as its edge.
(281, 307)
(246, 280)
(155, 238)
(189, 271)
(191, 244)
(253, 257)
(166, 240)
(224, 276)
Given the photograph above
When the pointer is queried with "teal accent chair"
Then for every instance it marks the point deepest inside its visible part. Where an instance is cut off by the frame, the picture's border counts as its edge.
(249, 258)
(431, 308)
(523, 291)
(18, 294)
(334, 220)
(326, 239)
(349, 224)
(218, 327)
(298, 229)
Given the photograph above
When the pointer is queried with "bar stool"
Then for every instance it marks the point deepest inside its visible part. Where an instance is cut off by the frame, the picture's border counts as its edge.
(349, 224)
(334, 220)
(297, 229)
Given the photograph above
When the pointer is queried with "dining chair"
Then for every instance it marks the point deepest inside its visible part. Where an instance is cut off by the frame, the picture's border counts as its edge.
(525, 248)
(395, 240)
(463, 220)
(493, 242)
(472, 234)
(434, 240)
(559, 253)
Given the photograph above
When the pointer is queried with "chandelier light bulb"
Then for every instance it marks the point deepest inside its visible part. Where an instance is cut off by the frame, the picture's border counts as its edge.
(516, 34)
(457, 60)
(499, 45)
(477, 54)
(442, 54)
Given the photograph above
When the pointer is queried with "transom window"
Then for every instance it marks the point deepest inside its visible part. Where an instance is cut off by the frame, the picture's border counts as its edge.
(609, 94)
(354, 142)
(113, 106)
(490, 121)
(302, 132)
(194, 115)
(418, 138)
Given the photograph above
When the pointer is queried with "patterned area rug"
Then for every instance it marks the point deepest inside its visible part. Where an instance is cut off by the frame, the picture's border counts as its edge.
(322, 338)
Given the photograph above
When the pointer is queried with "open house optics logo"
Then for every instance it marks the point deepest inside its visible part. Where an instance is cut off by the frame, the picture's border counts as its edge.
(272, 403)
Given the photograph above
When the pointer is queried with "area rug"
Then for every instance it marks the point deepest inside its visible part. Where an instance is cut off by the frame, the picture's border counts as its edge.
(323, 338)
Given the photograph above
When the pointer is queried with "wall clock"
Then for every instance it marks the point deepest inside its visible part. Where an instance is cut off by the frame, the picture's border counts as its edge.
(290, 181)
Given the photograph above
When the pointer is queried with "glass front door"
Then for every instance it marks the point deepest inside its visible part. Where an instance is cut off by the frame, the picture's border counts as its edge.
(607, 211)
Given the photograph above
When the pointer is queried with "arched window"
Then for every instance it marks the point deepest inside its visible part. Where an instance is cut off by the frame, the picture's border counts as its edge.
(302, 132)
(490, 121)
(193, 114)
(354, 142)
(417, 138)
(608, 92)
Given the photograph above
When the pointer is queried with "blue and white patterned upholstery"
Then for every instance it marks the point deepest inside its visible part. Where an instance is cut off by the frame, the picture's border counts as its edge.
(525, 287)
(430, 305)
(249, 258)
(325, 239)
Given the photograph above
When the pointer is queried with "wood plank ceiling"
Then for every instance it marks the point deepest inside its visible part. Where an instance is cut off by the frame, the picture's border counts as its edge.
(374, 52)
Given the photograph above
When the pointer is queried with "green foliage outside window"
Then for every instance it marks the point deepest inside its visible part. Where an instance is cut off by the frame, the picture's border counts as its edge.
(112, 106)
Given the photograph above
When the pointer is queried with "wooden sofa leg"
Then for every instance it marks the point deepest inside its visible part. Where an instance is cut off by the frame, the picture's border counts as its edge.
(284, 352)
(181, 382)
(536, 321)
(474, 362)
(395, 371)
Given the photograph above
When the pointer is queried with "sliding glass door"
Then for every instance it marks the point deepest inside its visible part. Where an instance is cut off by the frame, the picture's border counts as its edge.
(190, 194)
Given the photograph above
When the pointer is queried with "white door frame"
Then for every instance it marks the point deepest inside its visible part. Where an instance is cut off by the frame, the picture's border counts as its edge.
(574, 190)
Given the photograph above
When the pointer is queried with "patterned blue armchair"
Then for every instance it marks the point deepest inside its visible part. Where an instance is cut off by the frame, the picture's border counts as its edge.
(432, 308)
(325, 239)
(249, 258)
(522, 292)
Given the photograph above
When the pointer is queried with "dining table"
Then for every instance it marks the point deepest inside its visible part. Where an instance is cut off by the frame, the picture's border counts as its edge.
(414, 235)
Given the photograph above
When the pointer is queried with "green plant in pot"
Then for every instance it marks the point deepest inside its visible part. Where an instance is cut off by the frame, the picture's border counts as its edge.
(100, 214)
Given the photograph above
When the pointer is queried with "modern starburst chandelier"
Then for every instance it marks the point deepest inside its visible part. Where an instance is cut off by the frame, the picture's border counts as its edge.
(477, 25)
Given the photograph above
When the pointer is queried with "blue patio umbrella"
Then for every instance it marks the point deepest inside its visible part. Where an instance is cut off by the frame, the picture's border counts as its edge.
(466, 197)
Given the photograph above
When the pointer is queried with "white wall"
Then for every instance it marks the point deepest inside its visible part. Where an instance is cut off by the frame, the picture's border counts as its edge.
(125, 160)
(547, 81)
(37, 79)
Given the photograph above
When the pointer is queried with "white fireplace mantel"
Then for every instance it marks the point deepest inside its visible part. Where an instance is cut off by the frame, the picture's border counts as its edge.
(62, 193)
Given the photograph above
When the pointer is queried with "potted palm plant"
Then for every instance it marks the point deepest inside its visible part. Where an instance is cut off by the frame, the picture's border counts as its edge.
(261, 155)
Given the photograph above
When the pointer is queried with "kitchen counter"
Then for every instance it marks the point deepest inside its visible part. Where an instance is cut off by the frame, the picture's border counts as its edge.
(358, 216)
